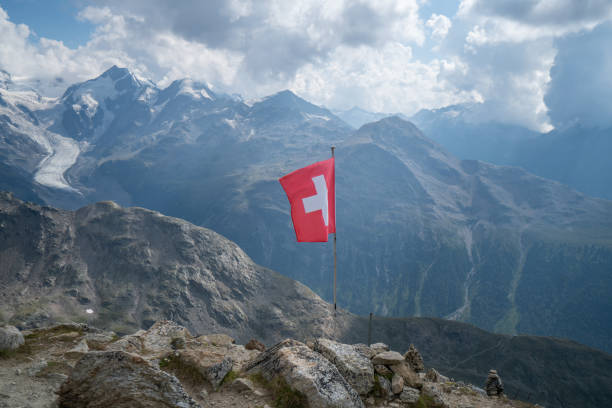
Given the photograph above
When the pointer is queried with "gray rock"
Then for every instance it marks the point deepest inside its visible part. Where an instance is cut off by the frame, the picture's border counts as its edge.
(217, 372)
(385, 386)
(383, 370)
(211, 362)
(404, 370)
(414, 358)
(434, 395)
(354, 366)
(10, 338)
(365, 350)
(121, 380)
(307, 372)
(379, 347)
(397, 384)
(388, 358)
(409, 395)
(432, 375)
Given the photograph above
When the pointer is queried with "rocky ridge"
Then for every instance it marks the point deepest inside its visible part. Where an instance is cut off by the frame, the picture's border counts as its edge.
(75, 365)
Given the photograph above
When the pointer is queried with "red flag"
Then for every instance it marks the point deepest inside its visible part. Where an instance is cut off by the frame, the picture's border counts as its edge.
(312, 194)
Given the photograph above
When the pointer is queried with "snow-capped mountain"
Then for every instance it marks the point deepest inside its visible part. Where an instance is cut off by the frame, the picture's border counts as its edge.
(420, 232)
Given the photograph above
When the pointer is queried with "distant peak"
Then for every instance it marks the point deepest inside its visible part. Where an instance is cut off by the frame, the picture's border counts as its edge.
(115, 73)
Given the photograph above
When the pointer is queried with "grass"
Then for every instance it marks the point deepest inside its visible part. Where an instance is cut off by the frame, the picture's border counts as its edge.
(229, 378)
(284, 396)
(184, 372)
(425, 401)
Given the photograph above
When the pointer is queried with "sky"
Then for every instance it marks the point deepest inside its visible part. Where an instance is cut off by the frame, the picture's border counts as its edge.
(541, 64)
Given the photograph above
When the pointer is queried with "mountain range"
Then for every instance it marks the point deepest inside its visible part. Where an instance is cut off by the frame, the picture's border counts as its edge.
(420, 232)
(576, 154)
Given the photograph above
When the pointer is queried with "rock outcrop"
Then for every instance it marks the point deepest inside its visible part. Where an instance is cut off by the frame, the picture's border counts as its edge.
(354, 366)
(10, 338)
(122, 380)
(307, 372)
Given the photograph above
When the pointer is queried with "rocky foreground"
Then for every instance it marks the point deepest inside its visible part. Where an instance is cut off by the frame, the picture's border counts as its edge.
(74, 365)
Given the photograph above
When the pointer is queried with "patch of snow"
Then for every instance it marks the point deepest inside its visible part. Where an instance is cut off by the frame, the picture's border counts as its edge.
(88, 103)
(313, 116)
(187, 88)
(148, 95)
(95, 91)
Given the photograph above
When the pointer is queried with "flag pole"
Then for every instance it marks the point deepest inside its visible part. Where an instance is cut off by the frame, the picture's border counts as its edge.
(335, 258)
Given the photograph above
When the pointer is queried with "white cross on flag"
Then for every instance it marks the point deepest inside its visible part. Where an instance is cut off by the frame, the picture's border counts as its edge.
(311, 193)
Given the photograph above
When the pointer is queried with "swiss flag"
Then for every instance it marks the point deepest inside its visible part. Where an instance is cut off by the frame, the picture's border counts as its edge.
(312, 194)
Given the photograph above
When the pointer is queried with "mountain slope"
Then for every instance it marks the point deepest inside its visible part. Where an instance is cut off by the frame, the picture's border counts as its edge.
(133, 266)
(577, 155)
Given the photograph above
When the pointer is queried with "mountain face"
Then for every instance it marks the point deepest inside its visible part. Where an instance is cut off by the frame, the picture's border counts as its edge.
(577, 155)
(420, 232)
(131, 267)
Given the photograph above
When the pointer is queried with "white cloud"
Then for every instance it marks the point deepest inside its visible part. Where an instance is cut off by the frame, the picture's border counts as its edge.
(380, 79)
(439, 25)
(339, 53)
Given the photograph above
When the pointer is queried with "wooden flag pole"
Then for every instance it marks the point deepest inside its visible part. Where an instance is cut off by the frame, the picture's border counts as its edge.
(335, 258)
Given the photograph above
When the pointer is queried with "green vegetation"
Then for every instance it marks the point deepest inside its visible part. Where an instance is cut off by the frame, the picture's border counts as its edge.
(183, 371)
(284, 396)
(229, 377)
(425, 401)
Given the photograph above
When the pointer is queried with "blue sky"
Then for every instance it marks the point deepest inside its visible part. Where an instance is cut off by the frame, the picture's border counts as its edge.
(517, 61)
(55, 19)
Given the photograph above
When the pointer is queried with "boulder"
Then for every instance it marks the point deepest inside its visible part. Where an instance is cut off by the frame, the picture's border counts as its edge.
(156, 342)
(413, 357)
(354, 366)
(404, 370)
(255, 345)
(433, 376)
(409, 395)
(388, 358)
(212, 363)
(308, 372)
(120, 380)
(379, 347)
(365, 350)
(385, 387)
(10, 338)
(434, 395)
(397, 384)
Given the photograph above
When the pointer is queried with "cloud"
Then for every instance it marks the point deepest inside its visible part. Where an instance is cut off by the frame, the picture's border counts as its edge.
(499, 21)
(580, 89)
(381, 79)
(439, 25)
(509, 48)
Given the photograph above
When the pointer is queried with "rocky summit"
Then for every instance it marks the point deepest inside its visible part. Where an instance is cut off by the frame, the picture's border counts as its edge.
(166, 366)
